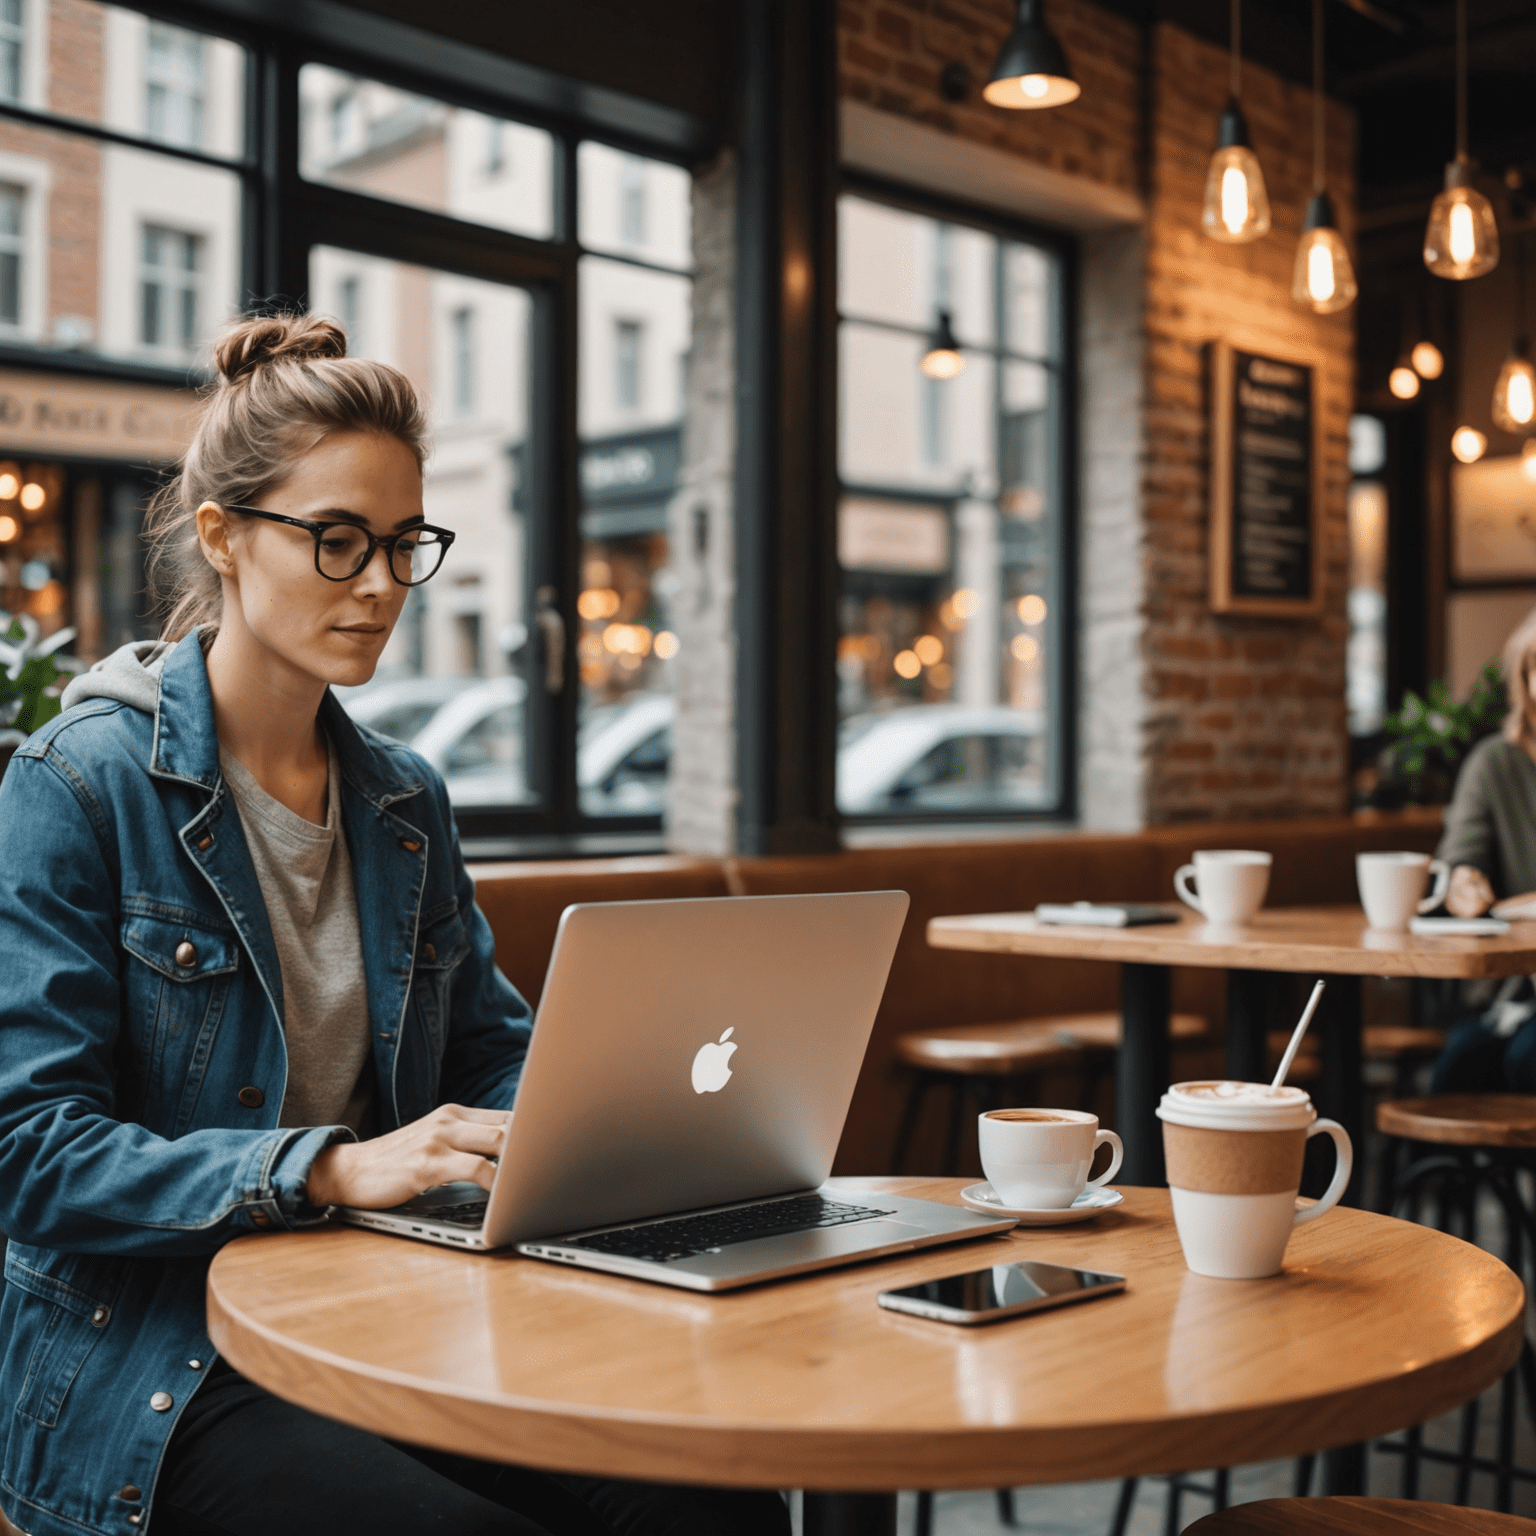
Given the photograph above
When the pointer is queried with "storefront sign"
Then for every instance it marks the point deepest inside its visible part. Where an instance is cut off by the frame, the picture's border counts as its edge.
(94, 418)
(1266, 484)
(892, 536)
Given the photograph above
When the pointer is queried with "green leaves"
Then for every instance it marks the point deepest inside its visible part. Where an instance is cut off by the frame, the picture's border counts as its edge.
(29, 691)
(1430, 736)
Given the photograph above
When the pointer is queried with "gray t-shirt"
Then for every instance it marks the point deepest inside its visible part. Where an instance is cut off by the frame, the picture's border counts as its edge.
(1491, 820)
(306, 881)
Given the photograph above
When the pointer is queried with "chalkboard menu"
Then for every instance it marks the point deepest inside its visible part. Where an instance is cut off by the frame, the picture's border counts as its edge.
(1266, 484)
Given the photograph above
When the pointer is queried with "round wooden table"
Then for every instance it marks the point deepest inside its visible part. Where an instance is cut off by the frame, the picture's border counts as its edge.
(1375, 1325)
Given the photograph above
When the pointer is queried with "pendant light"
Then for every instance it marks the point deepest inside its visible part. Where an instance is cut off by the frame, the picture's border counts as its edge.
(1236, 206)
(943, 359)
(1468, 444)
(1031, 70)
(1514, 395)
(1461, 239)
(1324, 277)
(1403, 382)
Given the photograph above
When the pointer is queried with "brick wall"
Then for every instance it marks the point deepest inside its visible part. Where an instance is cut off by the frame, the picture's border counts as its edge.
(1234, 717)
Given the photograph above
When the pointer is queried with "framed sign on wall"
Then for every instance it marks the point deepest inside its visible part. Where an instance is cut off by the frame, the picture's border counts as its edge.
(1266, 549)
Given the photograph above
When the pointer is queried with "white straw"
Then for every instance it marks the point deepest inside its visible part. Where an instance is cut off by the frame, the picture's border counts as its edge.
(1301, 1029)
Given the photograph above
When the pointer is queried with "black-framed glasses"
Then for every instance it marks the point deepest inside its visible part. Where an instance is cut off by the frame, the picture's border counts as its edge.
(343, 550)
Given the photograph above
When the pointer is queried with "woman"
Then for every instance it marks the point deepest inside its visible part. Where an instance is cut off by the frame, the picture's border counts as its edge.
(1490, 844)
(245, 981)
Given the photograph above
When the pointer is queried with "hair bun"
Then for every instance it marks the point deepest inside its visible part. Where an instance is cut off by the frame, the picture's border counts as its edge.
(253, 344)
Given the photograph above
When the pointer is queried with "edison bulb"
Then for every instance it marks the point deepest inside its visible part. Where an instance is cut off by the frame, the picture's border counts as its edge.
(1468, 444)
(9, 528)
(1403, 382)
(1324, 277)
(33, 496)
(1236, 208)
(1514, 395)
(1461, 239)
(1428, 360)
(943, 363)
(1528, 459)
(1031, 91)
(10, 484)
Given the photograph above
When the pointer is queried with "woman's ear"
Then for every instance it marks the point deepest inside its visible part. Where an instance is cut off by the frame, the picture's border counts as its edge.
(213, 536)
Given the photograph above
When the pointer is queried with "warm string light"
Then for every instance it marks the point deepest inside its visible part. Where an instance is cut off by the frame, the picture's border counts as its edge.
(1468, 444)
(1428, 360)
(1403, 382)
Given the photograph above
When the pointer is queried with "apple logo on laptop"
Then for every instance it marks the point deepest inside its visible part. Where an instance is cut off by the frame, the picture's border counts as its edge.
(712, 1065)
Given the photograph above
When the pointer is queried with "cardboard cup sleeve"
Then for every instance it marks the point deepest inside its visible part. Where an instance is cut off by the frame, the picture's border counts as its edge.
(1234, 1162)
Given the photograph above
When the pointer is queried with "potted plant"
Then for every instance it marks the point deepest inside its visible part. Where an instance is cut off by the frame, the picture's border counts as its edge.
(32, 676)
(1429, 738)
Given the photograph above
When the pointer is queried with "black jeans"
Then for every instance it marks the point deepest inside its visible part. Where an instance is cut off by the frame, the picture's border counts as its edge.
(1476, 1060)
(245, 1463)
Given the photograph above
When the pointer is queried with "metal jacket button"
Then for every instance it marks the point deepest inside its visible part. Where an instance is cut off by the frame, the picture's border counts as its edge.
(196, 1365)
(409, 846)
(185, 954)
(428, 952)
(136, 1517)
(252, 1098)
(130, 1493)
(99, 1317)
(162, 1402)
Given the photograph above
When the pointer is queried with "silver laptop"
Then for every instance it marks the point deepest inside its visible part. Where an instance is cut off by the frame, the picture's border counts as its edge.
(684, 1093)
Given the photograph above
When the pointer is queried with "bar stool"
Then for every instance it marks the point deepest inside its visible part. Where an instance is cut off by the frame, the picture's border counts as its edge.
(1460, 1147)
(1357, 1517)
(980, 1063)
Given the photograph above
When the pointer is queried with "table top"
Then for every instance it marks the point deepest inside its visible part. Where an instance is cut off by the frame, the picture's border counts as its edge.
(1375, 1324)
(1332, 940)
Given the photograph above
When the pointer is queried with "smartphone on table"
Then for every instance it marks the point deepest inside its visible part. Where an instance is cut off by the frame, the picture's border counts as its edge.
(1001, 1290)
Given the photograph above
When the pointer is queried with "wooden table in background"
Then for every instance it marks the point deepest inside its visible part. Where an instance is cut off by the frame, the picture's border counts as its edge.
(1375, 1325)
(1313, 941)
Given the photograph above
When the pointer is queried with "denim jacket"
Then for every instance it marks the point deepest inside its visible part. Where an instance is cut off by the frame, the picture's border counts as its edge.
(140, 1000)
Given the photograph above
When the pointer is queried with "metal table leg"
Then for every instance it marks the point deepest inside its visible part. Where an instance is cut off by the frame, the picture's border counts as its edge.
(1344, 1471)
(1142, 1071)
(1341, 1094)
(1247, 1021)
(850, 1514)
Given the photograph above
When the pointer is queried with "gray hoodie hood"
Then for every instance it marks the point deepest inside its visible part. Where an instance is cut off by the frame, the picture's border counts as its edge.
(130, 675)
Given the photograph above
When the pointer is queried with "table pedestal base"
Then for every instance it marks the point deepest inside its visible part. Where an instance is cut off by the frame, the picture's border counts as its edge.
(850, 1514)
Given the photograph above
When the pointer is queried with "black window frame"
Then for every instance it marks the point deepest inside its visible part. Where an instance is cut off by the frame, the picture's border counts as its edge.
(1062, 686)
(284, 217)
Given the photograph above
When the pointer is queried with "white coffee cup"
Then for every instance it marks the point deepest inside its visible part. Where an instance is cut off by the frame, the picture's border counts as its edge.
(1392, 885)
(1038, 1159)
(1232, 882)
(1235, 1152)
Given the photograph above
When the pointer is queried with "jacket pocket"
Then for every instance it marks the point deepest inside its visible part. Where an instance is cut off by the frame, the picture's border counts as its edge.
(177, 976)
(441, 946)
(66, 1309)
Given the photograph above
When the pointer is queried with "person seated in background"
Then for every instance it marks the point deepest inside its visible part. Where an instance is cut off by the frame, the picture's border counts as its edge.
(1490, 844)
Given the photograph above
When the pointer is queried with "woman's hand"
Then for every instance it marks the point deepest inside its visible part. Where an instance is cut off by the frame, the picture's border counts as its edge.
(1469, 894)
(453, 1143)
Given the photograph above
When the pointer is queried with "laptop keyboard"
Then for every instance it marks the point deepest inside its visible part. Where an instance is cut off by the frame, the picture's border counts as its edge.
(685, 1237)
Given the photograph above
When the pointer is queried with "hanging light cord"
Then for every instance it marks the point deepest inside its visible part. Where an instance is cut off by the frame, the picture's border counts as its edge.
(1318, 175)
(1461, 79)
(1237, 49)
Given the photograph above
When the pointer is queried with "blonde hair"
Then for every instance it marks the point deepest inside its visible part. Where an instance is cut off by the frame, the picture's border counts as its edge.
(285, 383)
(1519, 663)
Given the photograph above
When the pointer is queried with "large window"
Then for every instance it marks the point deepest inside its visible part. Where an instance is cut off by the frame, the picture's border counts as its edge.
(950, 664)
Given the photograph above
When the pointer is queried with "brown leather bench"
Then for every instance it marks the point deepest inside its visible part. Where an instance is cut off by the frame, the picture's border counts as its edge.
(1314, 862)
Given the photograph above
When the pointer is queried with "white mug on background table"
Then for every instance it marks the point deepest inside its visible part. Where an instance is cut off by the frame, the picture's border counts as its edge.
(1234, 1152)
(1232, 883)
(1392, 887)
(1038, 1159)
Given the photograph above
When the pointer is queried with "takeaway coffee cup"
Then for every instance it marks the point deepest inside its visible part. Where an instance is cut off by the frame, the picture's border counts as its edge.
(1391, 885)
(1038, 1159)
(1231, 883)
(1234, 1153)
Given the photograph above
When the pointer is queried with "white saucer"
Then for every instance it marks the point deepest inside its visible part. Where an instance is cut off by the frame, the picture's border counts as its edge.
(1092, 1202)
